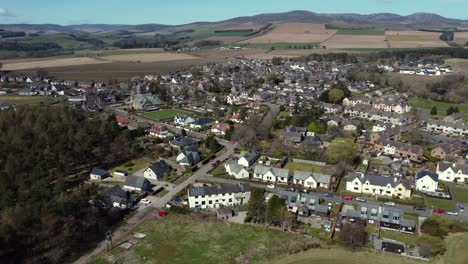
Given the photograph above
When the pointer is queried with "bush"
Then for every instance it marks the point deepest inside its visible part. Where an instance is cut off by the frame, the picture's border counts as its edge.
(435, 244)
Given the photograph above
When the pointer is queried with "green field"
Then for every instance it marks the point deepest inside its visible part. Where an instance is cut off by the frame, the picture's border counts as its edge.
(296, 166)
(136, 165)
(360, 32)
(441, 106)
(408, 239)
(434, 203)
(194, 239)
(460, 194)
(457, 249)
(284, 46)
(26, 100)
(232, 34)
(165, 114)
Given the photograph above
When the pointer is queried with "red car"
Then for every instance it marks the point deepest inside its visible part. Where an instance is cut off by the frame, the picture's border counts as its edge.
(162, 213)
(438, 211)
(348, 198)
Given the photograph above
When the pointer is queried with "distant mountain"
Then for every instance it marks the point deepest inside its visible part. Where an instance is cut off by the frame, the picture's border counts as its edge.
(414, 20)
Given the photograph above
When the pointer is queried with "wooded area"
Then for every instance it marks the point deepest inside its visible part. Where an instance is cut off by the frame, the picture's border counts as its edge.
(45, 216)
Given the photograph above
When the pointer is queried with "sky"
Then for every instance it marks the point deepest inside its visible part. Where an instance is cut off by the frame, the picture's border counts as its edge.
(175, 12)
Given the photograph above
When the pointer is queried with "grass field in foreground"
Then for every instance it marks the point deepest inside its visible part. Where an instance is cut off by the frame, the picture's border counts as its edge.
(434, 203)
(441, 106)
(457, 249)
(192, 239)
(360, 32)
(164, 114)
(460, 194)
(297, 166)
(25, 100)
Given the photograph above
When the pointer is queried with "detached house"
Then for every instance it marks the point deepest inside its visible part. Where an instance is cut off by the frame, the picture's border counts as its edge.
(311, 180)
(98, 174)
(145, 102)
(303, 204)
(135, 183)
(160, 131)
(220, 128)
(218, 196)
(183, 120)
(184, 142)
(427, 181)
(237, 171)
(188, 157)
(157, 170)
(453, 172)
(116, 197)
(248, 158)
(378, 185)
(269, 174)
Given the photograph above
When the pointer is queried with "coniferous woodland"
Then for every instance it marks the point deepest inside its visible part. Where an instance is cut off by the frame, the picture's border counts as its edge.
(45, 216)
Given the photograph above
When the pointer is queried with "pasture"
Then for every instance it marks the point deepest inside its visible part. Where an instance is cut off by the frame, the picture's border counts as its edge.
(148, 57)
(360, 32)
(164, 114)
(442, 107)
(26, 100)
(49, 63)
(414, 39)
(293, 33)
(355, 41)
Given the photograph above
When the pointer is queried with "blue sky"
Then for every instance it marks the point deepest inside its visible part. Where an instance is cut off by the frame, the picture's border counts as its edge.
(185, 11)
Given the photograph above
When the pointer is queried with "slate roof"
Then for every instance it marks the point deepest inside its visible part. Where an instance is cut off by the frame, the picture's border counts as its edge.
(160, 168)
(378, 180)
(220, 189)
(251, 156)
(135, 181)
(184, 141)
(382, 214)
(98, 171)
(433, 176)
(280, 173)
(443, 166)
(318, 177)
(191, 156)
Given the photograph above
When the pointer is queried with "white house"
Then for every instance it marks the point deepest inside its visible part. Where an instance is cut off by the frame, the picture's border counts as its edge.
(378, 185)
(248, 158)
(218, 196)
(452, 172)
(157, 170)
(237, 171)
(183, 120)
(427, 181)
(311, 180)
(269, 174)
(98, 174)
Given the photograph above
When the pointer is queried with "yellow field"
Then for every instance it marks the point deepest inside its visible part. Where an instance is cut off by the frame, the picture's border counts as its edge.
(355, 41)
(151, 57)
(414, 39)
(461, 38)
(50, 63)
(294, 33)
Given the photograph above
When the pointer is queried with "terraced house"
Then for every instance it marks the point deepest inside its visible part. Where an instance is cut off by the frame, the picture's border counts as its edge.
(217, 196)
(378, 185)
(398, 149)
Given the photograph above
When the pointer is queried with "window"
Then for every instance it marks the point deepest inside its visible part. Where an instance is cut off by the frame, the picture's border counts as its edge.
(388, 192)
(230, 200)
(356, 188)
(356, 183)
(210, 202)
(203, 202)
(399, 189)
(196, 202)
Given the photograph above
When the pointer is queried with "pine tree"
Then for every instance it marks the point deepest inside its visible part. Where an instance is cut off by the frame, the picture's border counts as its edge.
(434, 110)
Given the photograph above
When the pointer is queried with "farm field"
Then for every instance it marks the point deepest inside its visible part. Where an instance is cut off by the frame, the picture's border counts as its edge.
(360, 32)
(355, 41)
(226, 39)
(50, 63)
(148, 57)
(194, 239)
(441, 106)
(461, 38)
(26, 100)
(414, 39)
(286, 46)
(293, 33)
(165, 114)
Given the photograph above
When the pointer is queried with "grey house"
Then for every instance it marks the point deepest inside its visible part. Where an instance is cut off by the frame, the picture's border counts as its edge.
(135, 183)
(188, 157)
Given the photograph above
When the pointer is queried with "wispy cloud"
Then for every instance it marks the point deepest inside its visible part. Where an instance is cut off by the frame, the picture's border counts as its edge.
(4, 13)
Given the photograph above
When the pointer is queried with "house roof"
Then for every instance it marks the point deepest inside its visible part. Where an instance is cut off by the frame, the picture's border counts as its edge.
(443, 166)
(115, 191)
(135, 181)
(277, 172)
(98, 171)
(318, 177)
(424, 173)
(191, 156)
(160, 167)
(220, 189)
(378, 180)
(234, 167)
(250, 156)
(184, 141)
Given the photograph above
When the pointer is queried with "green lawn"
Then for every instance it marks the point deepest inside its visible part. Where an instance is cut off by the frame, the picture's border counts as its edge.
(194, 239)
(457, 249)
(433, 203)
(460, 194)
(118, 183)
(138, 164)
(165, 114)
(408, 239)
(360, 32)
(441, 106)
(26, 100)
(296, 166)
(220, 172)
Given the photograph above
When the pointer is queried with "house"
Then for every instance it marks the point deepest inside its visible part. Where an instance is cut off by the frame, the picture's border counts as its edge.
(427, 181)
(135, 183)
(454, 118)
(122, 121)
(160, 131)
(311, 180)
(201, 123)
(98, 174)
(248, 158)
(293, 135)
(116, 197)
(26, 92)
(378, 185)
(402, 150)
(452, 172)
(334, 121)
(184, 142)
(304, 204)
(448, 128)
(237, 171)
(224, 213)
(269, 174)
(220, 128)
(157, 170)
(236, 117)
(218, 196)
(5, 106)
(388, 218)
(444, 150)
(145, 102)
(407, 71)
(183, 120)
(188, 157)
(350, 124)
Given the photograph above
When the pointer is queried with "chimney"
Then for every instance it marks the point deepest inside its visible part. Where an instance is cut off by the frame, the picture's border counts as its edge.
(395, 179)
(453, 165)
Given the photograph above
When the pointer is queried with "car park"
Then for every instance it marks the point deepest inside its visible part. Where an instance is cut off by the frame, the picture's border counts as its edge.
(360, 199)
(390, 204)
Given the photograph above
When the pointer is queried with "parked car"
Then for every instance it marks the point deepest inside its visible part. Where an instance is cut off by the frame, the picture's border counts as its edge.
(330, 206)
(348, 198)
(390, 204)
(145, 201)
(452, 213)
(162, 213)
(271, 186)
(461, 207)
(438, 211)
(419, 208)
(360, 199)
(305, 191)
(329, 195)
(215, 164)
(290, 189)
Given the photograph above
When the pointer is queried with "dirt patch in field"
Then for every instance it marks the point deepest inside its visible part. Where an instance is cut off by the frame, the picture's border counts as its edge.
(150, 57)
(414, 39)
(49, 63)
(355, 41)
(412, 33)
(461, 38)
(294, 33)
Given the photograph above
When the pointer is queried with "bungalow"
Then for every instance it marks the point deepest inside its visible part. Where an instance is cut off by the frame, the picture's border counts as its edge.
(237, 171)
(98, 174)
(184, 142)
(378, 185)
(248, 158)
(453, 172)
(219, 196)
(27, 92)
(220, 128)
(188, 157)
(311, 180)
(157, 170)
(135, 183)
(269, 174)
(160, 131)
(427, 181)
